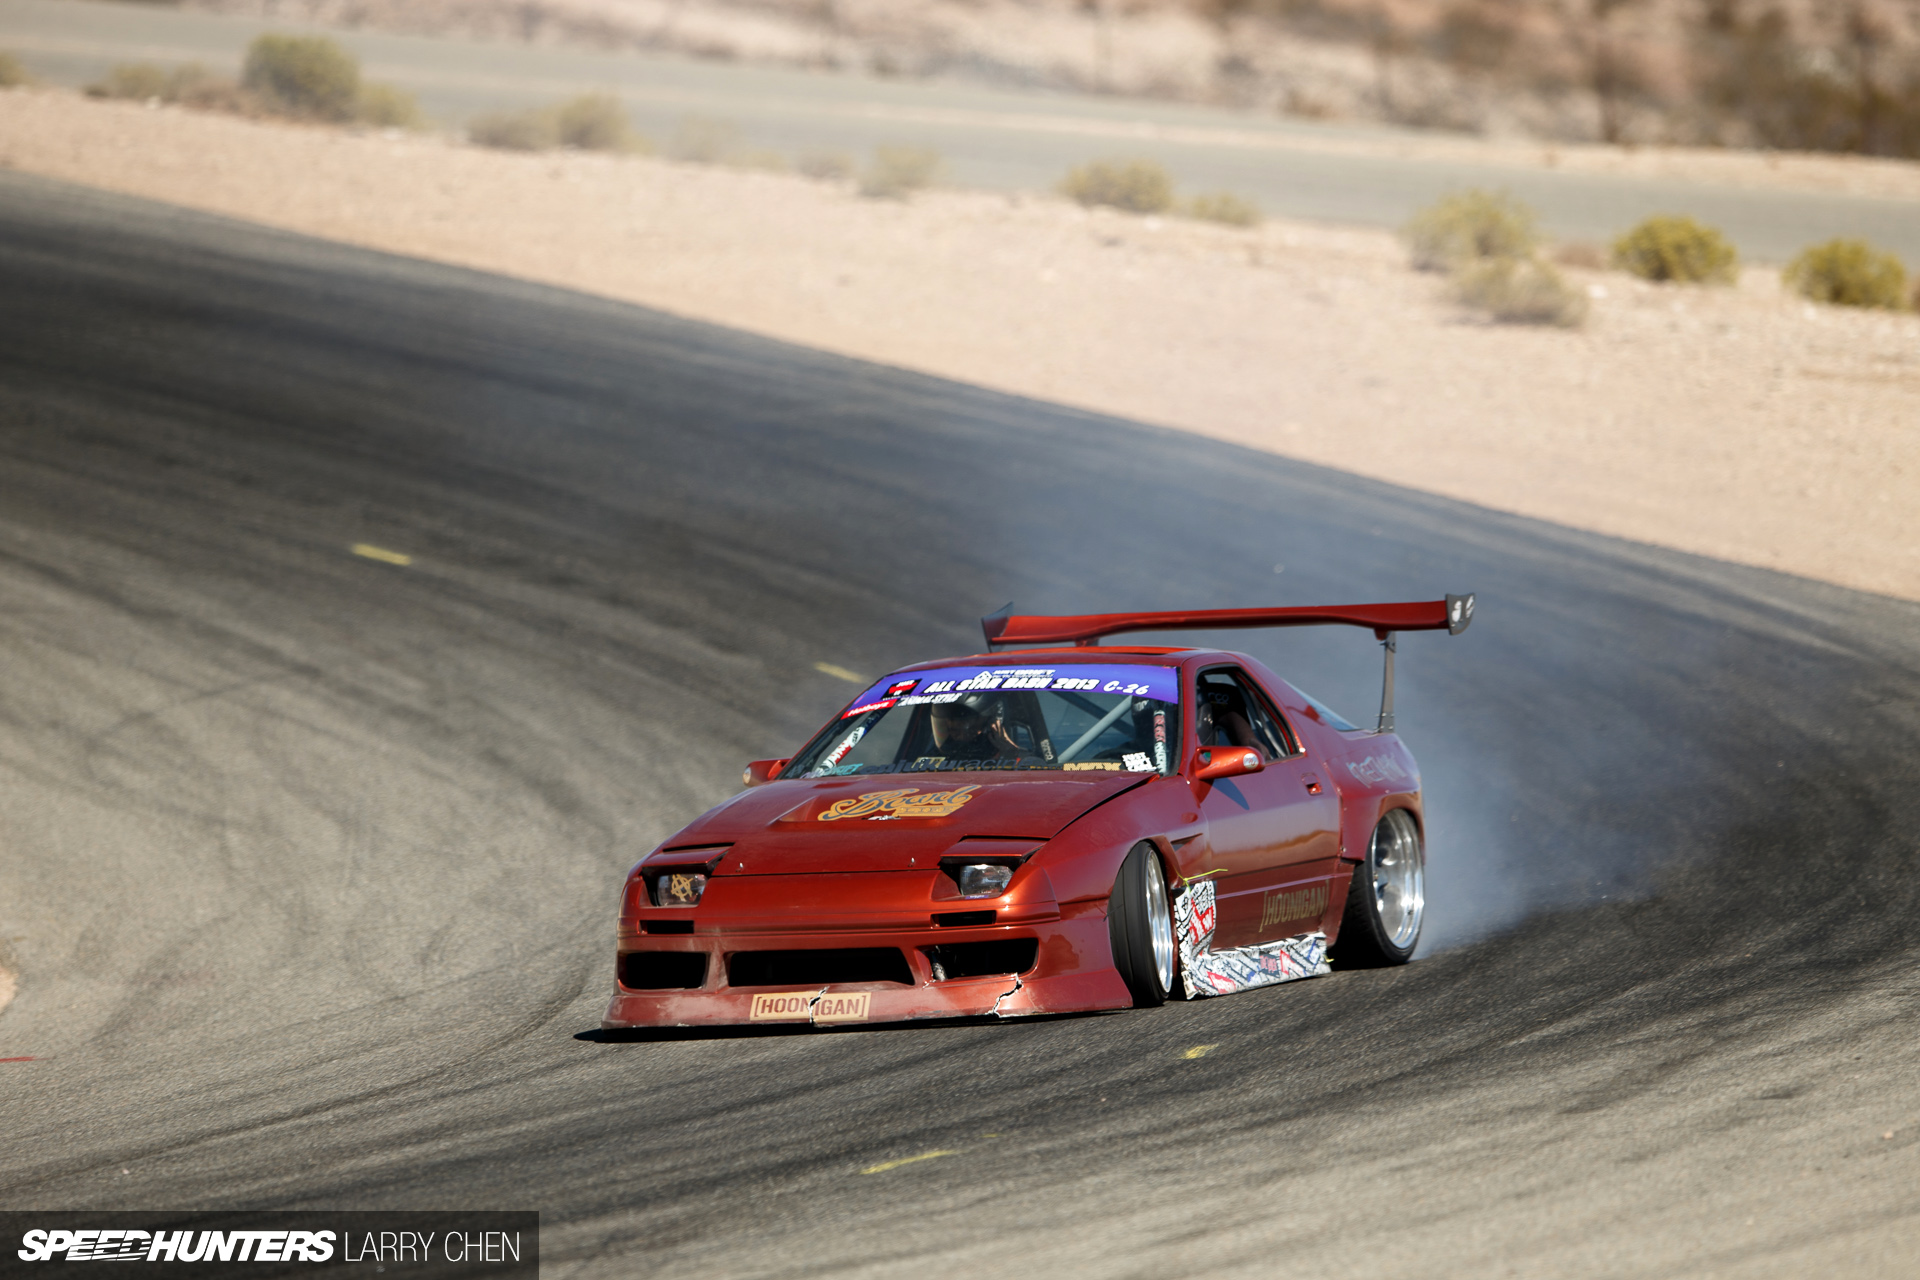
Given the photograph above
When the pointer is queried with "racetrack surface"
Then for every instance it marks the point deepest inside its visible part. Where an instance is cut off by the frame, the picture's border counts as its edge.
(308, 861)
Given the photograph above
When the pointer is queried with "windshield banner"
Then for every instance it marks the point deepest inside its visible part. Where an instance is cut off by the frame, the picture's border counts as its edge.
(950, 684)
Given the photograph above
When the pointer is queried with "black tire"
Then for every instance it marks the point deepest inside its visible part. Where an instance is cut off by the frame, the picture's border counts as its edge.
(1133, 919)
(1375, 931)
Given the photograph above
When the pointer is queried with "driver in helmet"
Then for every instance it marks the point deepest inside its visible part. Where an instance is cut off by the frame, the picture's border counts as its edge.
(972, 728)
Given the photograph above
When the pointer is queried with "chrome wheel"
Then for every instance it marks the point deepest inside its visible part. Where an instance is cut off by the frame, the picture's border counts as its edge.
(1160, 925)
(1398, 869)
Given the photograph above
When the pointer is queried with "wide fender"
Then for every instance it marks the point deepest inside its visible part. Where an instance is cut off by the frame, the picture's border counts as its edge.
(1083, 860)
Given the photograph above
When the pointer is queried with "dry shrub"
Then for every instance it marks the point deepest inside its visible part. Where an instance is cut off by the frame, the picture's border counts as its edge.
(191, 85)
(1470, 227)
(1849, 273)
(11, 72)
(898, 172)
(828, 166)
(1138, 186)
(1521, 291)
(1584, 254)
(765, 158)
(1677, 249)
(137, 81)
(595, 122)
(194, 86)
(1223, 207)
(531, 130)
(699, 140)
(310, 77)
(385, 107)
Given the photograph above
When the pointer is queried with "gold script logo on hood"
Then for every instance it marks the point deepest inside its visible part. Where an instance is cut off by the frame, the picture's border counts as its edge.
(910, 802)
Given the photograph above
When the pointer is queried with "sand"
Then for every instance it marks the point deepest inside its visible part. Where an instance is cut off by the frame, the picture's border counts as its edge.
(1737, 423)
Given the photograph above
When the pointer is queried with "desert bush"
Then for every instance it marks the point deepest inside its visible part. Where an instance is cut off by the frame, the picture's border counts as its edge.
(1138, 186)
(1849, 273)
(759, 158)
(1225, 207)
(306, 76)
(194, 86)
(11, 72)
(514, 130)
(898, 172)
(1584, 254)
(138, 81)
(1677, 249)
(829, 166)
(1520, 291)
(699, 140)
(191, 85)
(386, 107)
(1469, 227)
(594, 122)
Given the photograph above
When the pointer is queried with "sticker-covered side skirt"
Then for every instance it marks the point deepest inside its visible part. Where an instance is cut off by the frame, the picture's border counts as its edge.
(1208, 972)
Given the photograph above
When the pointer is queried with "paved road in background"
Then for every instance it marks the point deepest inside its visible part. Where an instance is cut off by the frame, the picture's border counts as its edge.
(993, 138)
(309, 861)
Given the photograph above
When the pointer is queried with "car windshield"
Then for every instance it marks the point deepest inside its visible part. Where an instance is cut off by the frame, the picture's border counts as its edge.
(1082, 717)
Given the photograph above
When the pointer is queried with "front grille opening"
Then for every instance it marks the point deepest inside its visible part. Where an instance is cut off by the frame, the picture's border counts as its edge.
(663, 970)
(980, 959)
(807, 968)
(960, 919)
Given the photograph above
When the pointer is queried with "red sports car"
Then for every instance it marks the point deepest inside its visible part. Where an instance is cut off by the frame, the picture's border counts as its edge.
(1066, 827)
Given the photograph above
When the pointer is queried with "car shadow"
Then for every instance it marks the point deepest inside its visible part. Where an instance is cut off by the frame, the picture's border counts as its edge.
(656, 1035)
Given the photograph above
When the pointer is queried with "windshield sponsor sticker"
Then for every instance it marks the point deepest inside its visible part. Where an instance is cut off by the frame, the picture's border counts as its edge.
(908, 802)
(948, 684)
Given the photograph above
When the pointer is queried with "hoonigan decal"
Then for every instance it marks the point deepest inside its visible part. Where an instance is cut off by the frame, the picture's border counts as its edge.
(1217, 973)
(949, 684)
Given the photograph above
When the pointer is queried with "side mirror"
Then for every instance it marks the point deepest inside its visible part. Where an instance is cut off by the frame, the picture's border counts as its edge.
(762, 771)
(1210, 763)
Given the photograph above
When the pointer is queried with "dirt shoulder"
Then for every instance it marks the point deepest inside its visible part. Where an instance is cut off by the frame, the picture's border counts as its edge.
(1740, 423)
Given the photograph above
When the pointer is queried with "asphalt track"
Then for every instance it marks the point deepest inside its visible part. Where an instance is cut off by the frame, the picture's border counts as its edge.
(308, 860)
(992, 137)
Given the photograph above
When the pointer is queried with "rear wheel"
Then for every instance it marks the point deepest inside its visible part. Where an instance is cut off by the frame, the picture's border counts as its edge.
(1387, 902)
(1140, 923)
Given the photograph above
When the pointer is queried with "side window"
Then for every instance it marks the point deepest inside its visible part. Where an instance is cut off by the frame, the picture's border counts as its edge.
(1232, 712)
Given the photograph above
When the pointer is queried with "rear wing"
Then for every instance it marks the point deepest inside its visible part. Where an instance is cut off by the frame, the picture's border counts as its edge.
(1451, 615)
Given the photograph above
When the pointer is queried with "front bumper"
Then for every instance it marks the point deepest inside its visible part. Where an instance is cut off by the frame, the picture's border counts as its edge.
(1072, 971)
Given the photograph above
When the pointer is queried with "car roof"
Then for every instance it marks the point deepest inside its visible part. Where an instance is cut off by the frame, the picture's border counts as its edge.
(1154, 656)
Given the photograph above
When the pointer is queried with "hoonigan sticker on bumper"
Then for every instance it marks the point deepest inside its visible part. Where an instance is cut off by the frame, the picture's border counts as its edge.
(1217, 973)
(809, 1006)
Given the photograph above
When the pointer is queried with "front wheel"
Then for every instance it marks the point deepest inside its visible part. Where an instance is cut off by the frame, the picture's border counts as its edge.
(1140, 923)
(1387, 901)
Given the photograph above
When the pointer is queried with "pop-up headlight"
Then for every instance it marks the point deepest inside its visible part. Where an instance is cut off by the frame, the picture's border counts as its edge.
(674, 888)
(983, 879)
(677, 877)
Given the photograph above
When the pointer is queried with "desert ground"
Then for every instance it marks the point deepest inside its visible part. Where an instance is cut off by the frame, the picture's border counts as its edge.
(1740, 423)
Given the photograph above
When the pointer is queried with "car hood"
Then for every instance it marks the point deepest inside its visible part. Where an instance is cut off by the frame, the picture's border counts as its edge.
(897, 822)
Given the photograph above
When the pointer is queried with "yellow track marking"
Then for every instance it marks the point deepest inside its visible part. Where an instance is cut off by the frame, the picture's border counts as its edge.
(838, 673)
(1199, 1051)
(381, 554)
(895, 1164)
